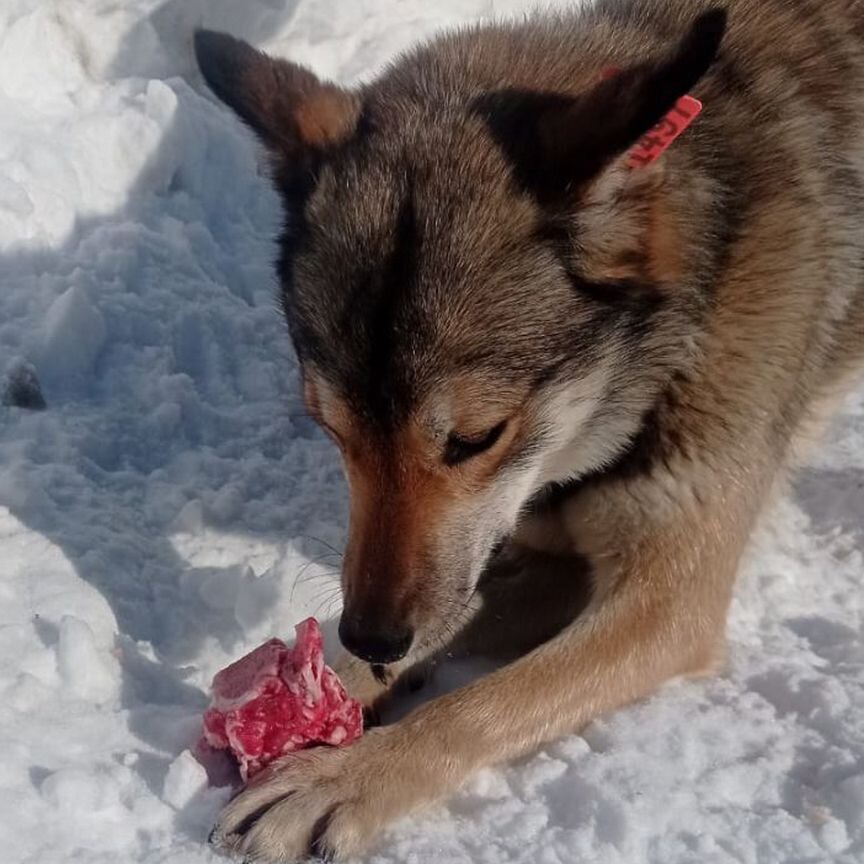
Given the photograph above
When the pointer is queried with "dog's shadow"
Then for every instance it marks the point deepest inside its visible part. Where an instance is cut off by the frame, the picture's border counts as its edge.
(107, 458)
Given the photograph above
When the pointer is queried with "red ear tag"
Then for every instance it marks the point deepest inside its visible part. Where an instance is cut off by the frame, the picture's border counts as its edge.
(651, 146)
(654, 144)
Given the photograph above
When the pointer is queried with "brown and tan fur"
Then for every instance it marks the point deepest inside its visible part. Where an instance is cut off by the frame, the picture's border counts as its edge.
(515, 340)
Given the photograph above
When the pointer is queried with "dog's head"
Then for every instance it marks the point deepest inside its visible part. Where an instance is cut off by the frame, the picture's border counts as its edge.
(480, 297)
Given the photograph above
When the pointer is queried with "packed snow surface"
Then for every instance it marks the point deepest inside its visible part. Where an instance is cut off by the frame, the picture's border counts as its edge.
(169, 507)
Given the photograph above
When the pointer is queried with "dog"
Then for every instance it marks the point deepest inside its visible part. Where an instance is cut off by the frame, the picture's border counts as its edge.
(564, 369)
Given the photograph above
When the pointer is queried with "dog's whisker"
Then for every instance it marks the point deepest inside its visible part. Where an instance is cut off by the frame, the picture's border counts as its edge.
(324, 543)
(329, 606)
(322, 598)
(327, 573)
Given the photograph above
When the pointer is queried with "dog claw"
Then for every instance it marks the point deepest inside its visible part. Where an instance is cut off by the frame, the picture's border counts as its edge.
(317, 845)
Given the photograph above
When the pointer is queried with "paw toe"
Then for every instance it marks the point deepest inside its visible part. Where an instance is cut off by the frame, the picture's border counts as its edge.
(282, 834)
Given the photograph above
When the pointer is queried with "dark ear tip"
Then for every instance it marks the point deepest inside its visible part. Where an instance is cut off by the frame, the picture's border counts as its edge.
(209, 44)
(206, 43)
(203, 40)
(216, 51)
(710, 26)
(718, 14)
(222, 60)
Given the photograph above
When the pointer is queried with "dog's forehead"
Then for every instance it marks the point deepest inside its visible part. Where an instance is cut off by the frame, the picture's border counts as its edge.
(445, 160)
(420, 262)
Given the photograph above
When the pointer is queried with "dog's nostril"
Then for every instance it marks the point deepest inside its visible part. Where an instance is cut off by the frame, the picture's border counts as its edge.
(375, 642)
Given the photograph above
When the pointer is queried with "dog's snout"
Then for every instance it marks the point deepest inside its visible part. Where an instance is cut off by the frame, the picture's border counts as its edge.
(374, 641)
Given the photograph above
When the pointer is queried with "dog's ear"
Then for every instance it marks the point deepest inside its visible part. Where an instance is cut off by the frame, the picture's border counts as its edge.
(557, 143)
(290, 109)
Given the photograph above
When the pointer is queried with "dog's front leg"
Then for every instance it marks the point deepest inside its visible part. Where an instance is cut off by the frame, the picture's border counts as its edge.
(658, 611)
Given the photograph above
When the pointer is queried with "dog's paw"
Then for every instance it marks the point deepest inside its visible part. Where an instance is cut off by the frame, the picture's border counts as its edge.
(326, 802)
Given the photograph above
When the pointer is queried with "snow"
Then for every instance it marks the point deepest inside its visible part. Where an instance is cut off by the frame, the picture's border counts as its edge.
(172, 507)
(186, 778)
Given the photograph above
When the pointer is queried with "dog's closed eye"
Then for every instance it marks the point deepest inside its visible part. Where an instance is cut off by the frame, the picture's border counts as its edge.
(461, 448)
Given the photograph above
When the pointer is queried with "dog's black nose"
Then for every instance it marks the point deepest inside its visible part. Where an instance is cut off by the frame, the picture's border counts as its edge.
(374, 641)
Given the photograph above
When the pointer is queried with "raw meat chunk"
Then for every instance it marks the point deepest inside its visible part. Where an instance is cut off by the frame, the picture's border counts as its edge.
(277, 699)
